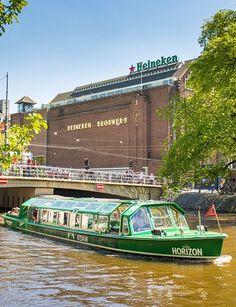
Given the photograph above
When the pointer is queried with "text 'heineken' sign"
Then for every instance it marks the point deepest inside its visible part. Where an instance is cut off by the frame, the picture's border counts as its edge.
(153, 64)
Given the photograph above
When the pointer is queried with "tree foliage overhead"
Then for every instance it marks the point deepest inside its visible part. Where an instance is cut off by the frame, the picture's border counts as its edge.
(19, 138)
(205, 122)
(9, 10)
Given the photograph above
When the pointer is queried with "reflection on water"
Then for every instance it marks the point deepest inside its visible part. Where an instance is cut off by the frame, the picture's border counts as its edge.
(39, 272)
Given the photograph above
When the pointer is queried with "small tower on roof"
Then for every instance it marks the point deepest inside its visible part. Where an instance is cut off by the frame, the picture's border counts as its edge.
(25, 104)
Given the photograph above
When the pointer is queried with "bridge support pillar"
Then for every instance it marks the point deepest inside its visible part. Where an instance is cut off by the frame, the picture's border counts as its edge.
(143, 196)
(149, 193)
(155, 193)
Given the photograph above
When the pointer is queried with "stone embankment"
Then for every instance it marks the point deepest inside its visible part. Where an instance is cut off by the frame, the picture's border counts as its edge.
(223, 203)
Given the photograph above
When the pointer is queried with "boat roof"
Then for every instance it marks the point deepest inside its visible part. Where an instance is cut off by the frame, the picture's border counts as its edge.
(84, 205)
(91, 205)
(135, 206)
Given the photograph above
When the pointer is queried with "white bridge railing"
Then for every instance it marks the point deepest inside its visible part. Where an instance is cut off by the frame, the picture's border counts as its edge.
(38, 171)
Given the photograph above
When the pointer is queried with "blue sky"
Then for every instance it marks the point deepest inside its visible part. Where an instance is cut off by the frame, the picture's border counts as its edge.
(60, 44)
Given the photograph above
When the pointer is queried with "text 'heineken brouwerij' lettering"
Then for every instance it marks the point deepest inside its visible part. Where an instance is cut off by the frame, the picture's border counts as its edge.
(100, 123)
(154, 64)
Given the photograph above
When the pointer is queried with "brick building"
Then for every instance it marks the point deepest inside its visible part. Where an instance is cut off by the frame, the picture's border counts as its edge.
(113, 121)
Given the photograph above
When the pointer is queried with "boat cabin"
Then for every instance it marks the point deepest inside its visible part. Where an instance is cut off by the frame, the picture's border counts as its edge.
(105, 216)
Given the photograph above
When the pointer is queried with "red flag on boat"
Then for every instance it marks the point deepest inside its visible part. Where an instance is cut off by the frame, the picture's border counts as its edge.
(211, 211)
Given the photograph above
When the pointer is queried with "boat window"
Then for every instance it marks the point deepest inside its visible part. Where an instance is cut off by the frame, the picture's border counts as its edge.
(116, 214)
(77, 220)
(59, 203)
(35, 215)
(160, 217)
(115, 218)
(93, 206)
(32, 214)
(107, 208)
(60, 218)
(101, 224)
(48, 203)
(125, 226)
(115, 221)
(44, 215)
(55, 217)
(86, 221)
(122, 208)
(179, 218)
(140, 220)
(37, 202)
(65, 220)
(71, 222)
(50, 216)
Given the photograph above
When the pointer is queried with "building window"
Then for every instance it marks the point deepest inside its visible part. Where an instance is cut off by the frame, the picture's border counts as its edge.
(61, 112)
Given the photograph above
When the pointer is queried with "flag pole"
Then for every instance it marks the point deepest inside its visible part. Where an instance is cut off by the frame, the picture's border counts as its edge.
(218, 220)
(199, 218)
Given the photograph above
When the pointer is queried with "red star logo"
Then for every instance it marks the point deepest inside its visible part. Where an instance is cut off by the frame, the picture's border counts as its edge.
(131, 69)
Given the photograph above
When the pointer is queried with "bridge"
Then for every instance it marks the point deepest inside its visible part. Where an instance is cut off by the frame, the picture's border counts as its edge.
(21, 182)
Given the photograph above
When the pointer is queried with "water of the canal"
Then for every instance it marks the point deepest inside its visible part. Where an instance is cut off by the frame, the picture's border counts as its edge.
(39, 272)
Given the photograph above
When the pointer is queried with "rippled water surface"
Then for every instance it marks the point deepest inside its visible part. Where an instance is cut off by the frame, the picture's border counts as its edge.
(38, 272)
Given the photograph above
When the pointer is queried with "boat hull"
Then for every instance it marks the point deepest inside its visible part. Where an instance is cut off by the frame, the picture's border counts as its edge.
(203, 246)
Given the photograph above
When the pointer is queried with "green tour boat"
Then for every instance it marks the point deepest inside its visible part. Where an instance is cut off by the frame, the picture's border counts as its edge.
(151, 228)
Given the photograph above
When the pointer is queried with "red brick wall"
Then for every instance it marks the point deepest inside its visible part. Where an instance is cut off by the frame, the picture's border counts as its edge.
(139, 138)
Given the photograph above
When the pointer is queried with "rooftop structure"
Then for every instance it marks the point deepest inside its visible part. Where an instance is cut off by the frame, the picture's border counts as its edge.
(25, 104)
(135, 81)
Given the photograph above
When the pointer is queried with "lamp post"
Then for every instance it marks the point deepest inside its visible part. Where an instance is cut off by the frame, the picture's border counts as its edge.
(6, 112)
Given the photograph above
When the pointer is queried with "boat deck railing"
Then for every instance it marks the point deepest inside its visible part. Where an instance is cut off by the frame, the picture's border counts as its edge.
(49, 172)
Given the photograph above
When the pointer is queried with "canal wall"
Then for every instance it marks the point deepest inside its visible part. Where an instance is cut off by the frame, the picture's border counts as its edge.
(223, 203)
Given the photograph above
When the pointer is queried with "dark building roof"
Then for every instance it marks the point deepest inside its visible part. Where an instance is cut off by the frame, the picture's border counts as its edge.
(138, 78)
(26, 100)
(129, 80)
(61, 97)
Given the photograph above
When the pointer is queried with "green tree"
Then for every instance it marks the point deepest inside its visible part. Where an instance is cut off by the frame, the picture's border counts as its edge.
(19, 138)
(9, 12)
(205, 122)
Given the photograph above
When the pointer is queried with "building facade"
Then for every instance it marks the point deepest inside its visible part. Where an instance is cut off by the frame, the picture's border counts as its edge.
(113, 121)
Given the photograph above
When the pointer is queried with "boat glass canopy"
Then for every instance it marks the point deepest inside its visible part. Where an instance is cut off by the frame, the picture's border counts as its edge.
(95, 207)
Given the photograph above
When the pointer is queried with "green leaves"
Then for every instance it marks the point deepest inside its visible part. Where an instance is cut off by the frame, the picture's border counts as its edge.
(217, 26)
(9, 12)
(205, 123)
(19, 138)
(215, 69)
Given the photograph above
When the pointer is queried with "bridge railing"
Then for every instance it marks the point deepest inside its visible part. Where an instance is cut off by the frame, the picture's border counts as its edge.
(38, 171)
